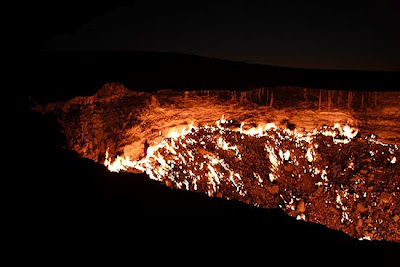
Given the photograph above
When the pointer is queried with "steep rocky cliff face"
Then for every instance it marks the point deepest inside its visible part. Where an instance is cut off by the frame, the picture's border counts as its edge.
(93, 124)
(124, 121)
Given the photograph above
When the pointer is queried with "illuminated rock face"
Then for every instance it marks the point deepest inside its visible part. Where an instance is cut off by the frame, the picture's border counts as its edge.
(277, 147)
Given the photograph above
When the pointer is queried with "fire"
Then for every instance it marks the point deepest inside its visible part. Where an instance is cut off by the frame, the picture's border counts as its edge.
(238, 163)
(288, 147)
(341, 135)
(120, 163)
(309, 154)
(317, 167)
(179, 132)
(177, 137)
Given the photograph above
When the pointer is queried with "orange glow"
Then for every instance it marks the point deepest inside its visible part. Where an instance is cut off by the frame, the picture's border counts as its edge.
(341, 134)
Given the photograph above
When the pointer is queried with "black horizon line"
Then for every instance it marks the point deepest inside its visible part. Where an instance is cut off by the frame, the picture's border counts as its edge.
(244, 63)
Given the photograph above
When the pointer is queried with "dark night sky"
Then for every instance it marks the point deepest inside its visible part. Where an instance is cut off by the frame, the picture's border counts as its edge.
(336, 34)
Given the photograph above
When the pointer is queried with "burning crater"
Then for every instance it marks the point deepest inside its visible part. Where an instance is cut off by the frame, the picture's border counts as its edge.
(315, 154)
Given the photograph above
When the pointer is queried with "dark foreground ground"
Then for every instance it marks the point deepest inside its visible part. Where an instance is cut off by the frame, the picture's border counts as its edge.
(77, 205)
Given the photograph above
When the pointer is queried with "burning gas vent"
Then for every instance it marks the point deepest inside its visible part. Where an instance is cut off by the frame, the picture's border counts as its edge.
(315, 154)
